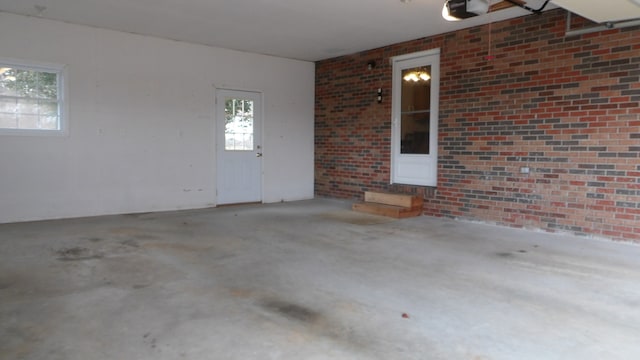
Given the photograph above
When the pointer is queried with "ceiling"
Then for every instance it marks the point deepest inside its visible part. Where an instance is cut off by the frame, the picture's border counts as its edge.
(604, 10)
(300, 29)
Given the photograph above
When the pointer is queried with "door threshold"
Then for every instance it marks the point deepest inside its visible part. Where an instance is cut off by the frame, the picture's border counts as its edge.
(240, 204)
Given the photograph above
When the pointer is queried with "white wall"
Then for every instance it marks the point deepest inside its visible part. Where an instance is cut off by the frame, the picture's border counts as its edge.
(141, 123)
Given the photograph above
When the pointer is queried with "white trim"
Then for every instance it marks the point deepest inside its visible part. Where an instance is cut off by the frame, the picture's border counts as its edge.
(31, 65)
(419, 54)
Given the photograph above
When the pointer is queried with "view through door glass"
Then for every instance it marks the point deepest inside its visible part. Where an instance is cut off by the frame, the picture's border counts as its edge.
(238, 129)
(415, 110)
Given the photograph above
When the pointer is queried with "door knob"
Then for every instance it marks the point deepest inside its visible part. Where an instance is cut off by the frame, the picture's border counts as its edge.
(258, 154)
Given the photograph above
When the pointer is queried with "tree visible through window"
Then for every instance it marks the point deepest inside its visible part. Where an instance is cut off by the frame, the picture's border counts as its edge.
(29, 98)
(238, 130)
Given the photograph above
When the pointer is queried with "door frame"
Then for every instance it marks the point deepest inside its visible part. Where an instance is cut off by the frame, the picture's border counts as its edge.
(419, 163)
(219, 129)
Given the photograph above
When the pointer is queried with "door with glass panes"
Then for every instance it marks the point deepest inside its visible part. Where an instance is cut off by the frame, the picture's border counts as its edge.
(414, 134)
(239, 150)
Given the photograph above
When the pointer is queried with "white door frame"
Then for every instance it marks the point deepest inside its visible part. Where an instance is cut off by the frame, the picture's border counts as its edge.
(415, 169)
(253, 155)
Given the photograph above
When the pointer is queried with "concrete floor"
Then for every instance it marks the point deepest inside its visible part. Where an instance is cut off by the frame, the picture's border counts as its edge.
(311, 280)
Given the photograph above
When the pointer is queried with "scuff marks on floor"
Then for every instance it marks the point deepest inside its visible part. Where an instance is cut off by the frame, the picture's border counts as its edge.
(290, 311)
(77, 253)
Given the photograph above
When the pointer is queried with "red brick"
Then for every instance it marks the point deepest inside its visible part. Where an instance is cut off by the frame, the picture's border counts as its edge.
(581, 148)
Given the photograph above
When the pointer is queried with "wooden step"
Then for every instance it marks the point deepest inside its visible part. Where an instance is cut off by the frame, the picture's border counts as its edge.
(407, 201)
(398, 206)
(398, 212)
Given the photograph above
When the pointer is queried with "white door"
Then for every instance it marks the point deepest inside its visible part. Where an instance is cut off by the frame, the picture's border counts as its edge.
(414, 132)
(239, 150)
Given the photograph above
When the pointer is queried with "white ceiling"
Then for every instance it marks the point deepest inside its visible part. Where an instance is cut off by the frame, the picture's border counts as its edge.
(300, 29)
(603, 10)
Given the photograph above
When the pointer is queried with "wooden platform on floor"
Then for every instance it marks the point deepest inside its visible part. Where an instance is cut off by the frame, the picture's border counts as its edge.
(397, 206)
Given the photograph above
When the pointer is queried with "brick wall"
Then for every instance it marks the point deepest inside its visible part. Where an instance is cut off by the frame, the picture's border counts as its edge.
(567, 108)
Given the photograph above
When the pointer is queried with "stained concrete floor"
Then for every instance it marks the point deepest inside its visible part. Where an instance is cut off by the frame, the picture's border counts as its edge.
(311, 280)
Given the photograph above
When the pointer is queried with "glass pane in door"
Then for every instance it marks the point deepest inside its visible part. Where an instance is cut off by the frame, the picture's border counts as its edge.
(415, 110)
(238, 129)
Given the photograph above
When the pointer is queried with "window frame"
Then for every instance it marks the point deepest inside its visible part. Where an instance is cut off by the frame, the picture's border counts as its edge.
(61, 79)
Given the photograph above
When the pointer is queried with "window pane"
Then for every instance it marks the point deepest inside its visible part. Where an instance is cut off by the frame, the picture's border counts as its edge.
(25, 83)
(415, 133)
(8, 120)
(49, 123)
(415, 110)
(48, 108)
(27, 106)
(7, 81)
(416, 89)
(47, 85)
(238, 132)
(30, 122)
(8, 105)
(8, 117)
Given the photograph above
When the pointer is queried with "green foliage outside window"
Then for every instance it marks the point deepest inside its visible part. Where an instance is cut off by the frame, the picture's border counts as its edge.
(28, 83)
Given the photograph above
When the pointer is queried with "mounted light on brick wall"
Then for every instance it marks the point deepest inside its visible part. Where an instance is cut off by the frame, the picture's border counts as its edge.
(370, 66)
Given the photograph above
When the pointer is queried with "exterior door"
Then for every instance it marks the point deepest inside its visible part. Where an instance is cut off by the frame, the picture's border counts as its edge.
(239, 149)
(414, 132)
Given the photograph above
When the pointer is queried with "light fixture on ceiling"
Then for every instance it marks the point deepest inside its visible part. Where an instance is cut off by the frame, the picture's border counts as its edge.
(39, 9)
(454, 10)
(445, 13)
(4, 76)
(416, 76)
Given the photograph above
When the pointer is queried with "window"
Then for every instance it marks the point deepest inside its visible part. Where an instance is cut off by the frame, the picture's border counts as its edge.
(31, 98)
(238, 129)
(414, 131)
(415, 110)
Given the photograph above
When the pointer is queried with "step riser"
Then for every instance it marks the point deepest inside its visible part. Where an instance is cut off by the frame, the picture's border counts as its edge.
(383, 210)
(397, 206)
(408, 201)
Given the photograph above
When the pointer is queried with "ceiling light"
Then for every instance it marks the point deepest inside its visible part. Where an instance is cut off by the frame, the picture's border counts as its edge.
(39, 9)
(416, 76)
(445, 13)
(454, 10)
(410, 77)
